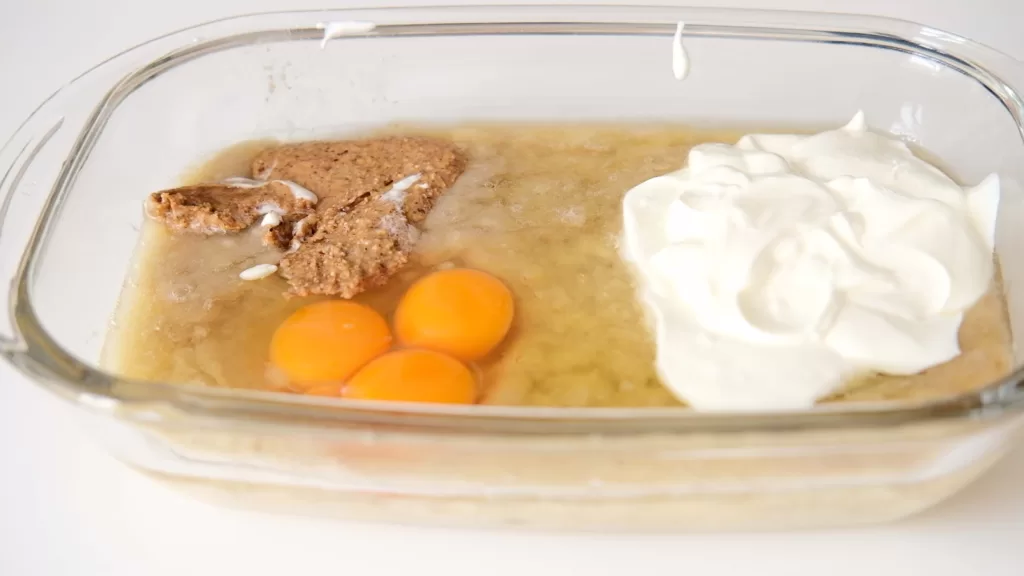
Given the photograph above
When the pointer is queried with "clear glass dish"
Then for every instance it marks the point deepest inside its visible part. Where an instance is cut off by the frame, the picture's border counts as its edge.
(77, 170)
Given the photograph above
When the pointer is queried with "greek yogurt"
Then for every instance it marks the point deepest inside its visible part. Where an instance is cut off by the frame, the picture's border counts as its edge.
(776, 269)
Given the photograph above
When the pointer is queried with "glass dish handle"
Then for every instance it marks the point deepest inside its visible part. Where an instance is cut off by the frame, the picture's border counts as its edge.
(28, 171)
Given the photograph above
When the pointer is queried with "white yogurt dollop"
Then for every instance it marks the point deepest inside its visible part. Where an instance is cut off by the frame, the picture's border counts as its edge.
(776, 269)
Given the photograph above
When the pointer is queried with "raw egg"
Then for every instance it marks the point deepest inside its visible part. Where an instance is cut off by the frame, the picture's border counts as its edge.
(332, 390)
(328, 341)
(413, 376)
(462, 312)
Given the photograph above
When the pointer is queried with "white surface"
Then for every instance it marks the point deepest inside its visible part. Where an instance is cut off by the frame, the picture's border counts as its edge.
(67, 508)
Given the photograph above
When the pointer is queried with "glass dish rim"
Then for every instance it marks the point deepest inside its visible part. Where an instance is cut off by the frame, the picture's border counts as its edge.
(41, 357)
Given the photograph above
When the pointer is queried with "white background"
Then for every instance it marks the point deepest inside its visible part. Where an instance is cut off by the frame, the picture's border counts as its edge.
(68, 508)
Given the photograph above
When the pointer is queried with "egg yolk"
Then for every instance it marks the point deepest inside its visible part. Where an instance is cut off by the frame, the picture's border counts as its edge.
(332, 390)
(328, 341)
(462, 312)
(413, 376)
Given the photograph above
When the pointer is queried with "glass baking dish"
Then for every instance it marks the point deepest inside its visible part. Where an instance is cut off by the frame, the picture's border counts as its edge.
(77, 170)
